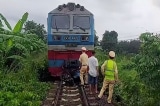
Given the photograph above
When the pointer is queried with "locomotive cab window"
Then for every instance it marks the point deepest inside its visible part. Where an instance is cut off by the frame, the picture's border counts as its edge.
(82, 22)
(85, 38)
(60, 22)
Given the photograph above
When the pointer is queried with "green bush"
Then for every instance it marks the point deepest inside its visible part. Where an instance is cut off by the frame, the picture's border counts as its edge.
(131, 90)
(21, 56)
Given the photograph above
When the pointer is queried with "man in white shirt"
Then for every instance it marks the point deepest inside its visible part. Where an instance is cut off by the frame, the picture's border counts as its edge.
(93, 73)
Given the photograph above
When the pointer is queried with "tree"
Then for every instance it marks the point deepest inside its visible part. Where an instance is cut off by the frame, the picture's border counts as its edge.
(132, 46)
(109, 40)
(148, 64)
(18, 26)
(31, 27)
(15, 45)
(3, 19)
(96, 42)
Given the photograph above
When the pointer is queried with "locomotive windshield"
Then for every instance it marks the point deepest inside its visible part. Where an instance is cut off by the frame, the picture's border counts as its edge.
(81, 22)
(60, 22)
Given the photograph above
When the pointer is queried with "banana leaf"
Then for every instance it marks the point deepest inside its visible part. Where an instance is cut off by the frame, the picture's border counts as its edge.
(5, 21)
(20, 23)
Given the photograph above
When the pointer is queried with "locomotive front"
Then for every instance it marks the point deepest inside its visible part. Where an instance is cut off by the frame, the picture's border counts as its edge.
(70, 27)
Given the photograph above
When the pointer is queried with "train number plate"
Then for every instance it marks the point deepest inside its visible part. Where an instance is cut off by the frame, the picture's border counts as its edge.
(71, 45)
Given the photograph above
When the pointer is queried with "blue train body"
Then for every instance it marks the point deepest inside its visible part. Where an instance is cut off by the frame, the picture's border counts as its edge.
(70, 27)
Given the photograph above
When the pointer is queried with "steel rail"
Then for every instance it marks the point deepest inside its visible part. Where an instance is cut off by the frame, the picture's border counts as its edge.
(84, 96)
(55, 102)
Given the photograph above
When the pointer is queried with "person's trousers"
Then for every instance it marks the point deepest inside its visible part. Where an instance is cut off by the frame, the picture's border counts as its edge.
(107, 83)
(83, 75)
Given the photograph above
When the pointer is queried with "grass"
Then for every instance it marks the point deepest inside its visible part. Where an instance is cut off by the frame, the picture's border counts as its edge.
(130, 91)
(23, 87)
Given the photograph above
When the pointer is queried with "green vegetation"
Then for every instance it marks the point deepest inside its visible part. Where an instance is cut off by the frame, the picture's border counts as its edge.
(109, 40)
(31, 27)
(21, 57)
(126, 47)
(139, 73)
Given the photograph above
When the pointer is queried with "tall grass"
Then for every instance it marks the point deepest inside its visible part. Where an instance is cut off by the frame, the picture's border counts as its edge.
(23, 87)
(130, 91)
(21, 56)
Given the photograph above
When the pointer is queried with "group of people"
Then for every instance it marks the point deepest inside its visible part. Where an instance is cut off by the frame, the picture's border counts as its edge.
(89, 73)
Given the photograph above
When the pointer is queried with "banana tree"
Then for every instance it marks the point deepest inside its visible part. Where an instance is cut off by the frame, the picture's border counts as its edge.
(18, 26)
(2, 18)
(14, 44)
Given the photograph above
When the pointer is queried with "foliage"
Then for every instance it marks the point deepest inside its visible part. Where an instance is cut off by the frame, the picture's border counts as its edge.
(109, 40)
(139, 75)
(148, 63)
(15, 46)
(23, 88)
(18, 47)
(18, 26)
(96, 42)
(31, 27)
(5, 21)
(21, 57)
(131, 90)
(125, 47)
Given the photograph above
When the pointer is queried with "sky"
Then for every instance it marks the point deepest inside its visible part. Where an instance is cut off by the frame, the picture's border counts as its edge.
(129, 18)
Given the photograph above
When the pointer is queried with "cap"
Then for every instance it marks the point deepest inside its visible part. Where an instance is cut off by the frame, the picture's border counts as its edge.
(83, 48)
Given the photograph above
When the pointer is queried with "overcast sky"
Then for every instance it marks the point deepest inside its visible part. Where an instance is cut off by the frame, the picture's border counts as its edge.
(129, 18)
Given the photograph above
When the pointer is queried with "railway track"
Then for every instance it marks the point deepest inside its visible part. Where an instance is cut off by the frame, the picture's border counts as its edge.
(51, 95)
(62, 95)
(91, 98)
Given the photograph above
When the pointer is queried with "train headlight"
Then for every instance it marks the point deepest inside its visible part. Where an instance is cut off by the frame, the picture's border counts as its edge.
(57, 37)
(66, 38)
(85, 38)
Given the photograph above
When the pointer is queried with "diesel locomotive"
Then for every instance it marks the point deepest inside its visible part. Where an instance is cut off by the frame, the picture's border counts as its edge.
(70, 27)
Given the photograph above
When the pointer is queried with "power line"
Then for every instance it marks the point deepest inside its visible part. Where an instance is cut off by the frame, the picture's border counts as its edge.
(129, 39)
(129, 36)
(136, 37)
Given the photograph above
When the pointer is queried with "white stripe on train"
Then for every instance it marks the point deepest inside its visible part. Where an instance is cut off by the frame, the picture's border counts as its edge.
(63, 48)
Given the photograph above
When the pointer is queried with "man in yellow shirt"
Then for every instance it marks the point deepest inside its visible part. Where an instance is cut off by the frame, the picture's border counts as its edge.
(109, 69)
(84, 66)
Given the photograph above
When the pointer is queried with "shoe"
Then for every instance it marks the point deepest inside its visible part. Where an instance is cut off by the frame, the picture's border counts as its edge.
(81, 84)
(86, 84)
(108, 102)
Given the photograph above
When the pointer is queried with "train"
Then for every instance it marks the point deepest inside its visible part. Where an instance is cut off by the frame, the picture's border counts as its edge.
(69, 28)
